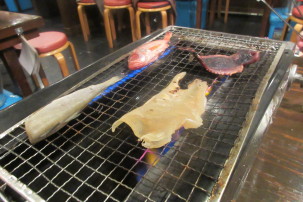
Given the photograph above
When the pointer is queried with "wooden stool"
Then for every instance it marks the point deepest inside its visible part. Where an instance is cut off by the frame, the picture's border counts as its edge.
(52, 44)
(83, 18)
(149, 7)
(295, 17)
(295, 38)
(109, 20)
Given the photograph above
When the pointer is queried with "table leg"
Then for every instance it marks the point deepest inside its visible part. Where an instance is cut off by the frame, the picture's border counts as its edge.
(226, 11)
(219, 8)
(212, 12)
(18, 5)
(264, 25)
(265, 18)
(198, 14)
(10, 60)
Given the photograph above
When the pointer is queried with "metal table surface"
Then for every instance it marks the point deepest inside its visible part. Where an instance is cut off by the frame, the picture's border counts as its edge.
(265, 104)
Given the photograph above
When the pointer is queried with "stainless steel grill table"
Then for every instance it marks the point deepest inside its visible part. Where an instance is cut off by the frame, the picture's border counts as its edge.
(85, 161)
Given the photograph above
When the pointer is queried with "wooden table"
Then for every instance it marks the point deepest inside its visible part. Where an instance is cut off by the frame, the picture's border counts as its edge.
(8, 38)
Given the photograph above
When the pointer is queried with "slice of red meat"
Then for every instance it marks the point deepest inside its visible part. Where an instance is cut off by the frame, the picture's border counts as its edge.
(220, 64)
(246, 57)
(227, 65)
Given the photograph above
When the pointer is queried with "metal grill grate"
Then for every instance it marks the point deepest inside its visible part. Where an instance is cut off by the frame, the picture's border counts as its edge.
(86, 161)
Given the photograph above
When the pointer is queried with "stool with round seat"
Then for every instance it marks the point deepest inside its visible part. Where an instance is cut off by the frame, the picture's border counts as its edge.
(110, 30)
(83, 18)
(52, 44)
(150, 7)
(296, 16)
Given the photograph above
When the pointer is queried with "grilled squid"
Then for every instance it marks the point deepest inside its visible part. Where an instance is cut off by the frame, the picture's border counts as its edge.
(55, 115)
(156, 121)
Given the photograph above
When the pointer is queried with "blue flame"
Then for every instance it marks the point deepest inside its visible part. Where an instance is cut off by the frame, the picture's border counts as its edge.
(129, 76)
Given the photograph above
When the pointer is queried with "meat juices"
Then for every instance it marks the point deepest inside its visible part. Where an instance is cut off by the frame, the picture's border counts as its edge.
(148, 52)
(226, 65)
(156, 121)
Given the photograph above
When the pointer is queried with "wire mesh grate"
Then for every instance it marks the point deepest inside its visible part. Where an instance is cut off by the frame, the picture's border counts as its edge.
(86, 161)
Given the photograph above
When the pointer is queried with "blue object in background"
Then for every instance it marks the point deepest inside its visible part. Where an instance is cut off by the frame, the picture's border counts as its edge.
(186, 13)
(10, 99)
(24, 5)
(276, 24)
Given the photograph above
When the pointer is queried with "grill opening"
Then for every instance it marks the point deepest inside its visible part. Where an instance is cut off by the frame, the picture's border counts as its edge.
(86, 161)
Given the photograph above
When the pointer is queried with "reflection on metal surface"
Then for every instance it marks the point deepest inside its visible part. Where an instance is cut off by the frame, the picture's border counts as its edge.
(19, 187)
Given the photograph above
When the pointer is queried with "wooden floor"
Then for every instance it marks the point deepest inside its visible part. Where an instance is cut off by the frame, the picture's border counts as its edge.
(277, 173)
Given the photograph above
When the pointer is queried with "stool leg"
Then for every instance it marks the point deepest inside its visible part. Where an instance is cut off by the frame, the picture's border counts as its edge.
(138, 26)
(80, 13)
(285, 28)
(164, 19)
(36, 81)
(226, 11)
(74, 55)
(147, 23)
(62, 63)
(107, 28)
(86, 22)
(171, 18)
(43, 77)
(112, 25)
(212, 12)
(293, 38)
(132, 22)
(219, 7)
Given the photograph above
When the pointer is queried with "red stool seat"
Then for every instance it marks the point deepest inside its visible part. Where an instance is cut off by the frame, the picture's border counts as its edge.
(153, 4)
(117, 2)
(296, 13)
(86, 1)
(47, 41)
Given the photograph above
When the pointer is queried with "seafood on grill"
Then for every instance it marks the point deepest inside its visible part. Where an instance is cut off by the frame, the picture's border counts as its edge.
(148, 52)
(56, 114)
(226, 65)
(156, 121)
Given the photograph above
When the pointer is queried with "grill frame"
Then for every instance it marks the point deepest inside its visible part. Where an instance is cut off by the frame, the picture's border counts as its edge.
(225, 178)
(246, 131)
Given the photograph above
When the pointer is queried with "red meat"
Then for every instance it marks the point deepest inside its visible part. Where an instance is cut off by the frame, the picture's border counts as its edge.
(227, 65)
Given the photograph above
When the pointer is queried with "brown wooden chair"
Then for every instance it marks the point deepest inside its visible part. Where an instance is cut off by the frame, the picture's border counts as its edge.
(52, 44)
(83, 18)
(150, 7)
(110, 29)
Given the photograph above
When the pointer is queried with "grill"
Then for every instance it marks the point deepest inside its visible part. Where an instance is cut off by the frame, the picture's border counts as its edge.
(85, 161)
